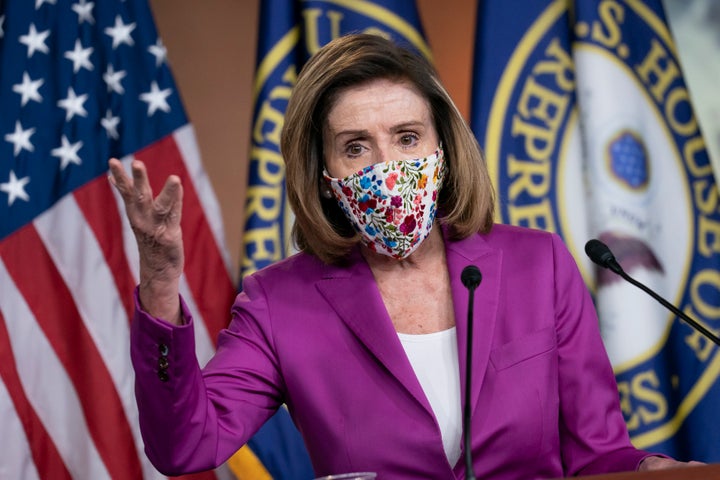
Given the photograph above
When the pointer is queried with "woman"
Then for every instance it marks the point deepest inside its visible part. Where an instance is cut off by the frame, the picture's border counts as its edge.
(359, 333)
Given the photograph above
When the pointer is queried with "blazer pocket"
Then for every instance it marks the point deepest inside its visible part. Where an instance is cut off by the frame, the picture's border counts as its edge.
(523, 348)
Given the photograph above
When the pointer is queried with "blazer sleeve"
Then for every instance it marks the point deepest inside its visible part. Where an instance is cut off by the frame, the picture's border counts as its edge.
(593, 434)
(193, 419)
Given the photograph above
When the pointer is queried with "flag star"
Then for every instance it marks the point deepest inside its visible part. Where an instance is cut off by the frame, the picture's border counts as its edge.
(80, 56)
(28, 89)
(156, 98)
(73, 104)
(84, 11)
(39, 3)
(159, 51)
(67, 152)
(110, 125)
(20, 138)
(120, 33)
(35, 40)
(15, 188)
(112, 78)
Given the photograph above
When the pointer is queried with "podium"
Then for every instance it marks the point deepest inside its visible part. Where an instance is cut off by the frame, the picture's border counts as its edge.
(703, 472)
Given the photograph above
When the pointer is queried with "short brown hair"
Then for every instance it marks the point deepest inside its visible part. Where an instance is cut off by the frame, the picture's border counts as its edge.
(466, 201)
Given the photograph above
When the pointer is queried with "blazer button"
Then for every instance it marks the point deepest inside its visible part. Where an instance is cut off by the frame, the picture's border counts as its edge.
(163, 363)
(164, 350)
(163, 375)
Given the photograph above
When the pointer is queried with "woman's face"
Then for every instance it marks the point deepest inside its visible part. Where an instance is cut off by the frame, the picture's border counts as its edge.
(375, 122)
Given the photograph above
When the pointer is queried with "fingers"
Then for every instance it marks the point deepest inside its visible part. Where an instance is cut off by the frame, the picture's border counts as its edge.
(137, 190)
(141, 184)
(132, 189)
(168, 203)
(155, 223)
(117, 173)
(137, 195)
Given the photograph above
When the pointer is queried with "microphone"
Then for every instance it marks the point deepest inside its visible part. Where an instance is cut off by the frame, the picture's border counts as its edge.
(601, 255)
(471, 278)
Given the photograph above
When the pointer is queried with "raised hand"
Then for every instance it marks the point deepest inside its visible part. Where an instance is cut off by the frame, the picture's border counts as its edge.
(156, 224)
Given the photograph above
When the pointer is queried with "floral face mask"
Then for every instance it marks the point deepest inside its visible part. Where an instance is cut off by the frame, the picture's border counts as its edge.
(392, 205)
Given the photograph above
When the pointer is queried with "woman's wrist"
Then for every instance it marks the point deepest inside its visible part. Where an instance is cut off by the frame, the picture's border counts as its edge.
(161, 300)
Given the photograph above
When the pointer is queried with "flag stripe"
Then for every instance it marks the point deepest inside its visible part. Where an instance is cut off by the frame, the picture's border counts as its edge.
(60, 321)
(42, 376)
(16, 460)
(80, 260)
(96, 200)
(185, 141)
(44, 453)
(72, 253)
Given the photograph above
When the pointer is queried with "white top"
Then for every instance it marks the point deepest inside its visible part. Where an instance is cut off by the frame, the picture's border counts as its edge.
(434, 357)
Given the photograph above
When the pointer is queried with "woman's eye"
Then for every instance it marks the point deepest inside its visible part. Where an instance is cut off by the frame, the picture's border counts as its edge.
(408, 140)
(354, 149)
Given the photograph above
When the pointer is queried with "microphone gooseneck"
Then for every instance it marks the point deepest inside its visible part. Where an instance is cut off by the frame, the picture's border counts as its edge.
(601, 255)
(471, 278)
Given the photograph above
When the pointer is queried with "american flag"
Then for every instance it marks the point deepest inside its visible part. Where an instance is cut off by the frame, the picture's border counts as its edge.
(81, 82)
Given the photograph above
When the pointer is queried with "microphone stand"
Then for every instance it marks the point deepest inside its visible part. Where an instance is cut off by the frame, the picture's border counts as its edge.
(471, 278)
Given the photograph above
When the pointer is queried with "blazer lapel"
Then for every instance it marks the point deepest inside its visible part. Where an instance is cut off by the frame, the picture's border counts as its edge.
(354, 296)
(474, 251)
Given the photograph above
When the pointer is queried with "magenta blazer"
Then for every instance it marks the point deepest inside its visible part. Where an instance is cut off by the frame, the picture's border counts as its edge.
(318, 338)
